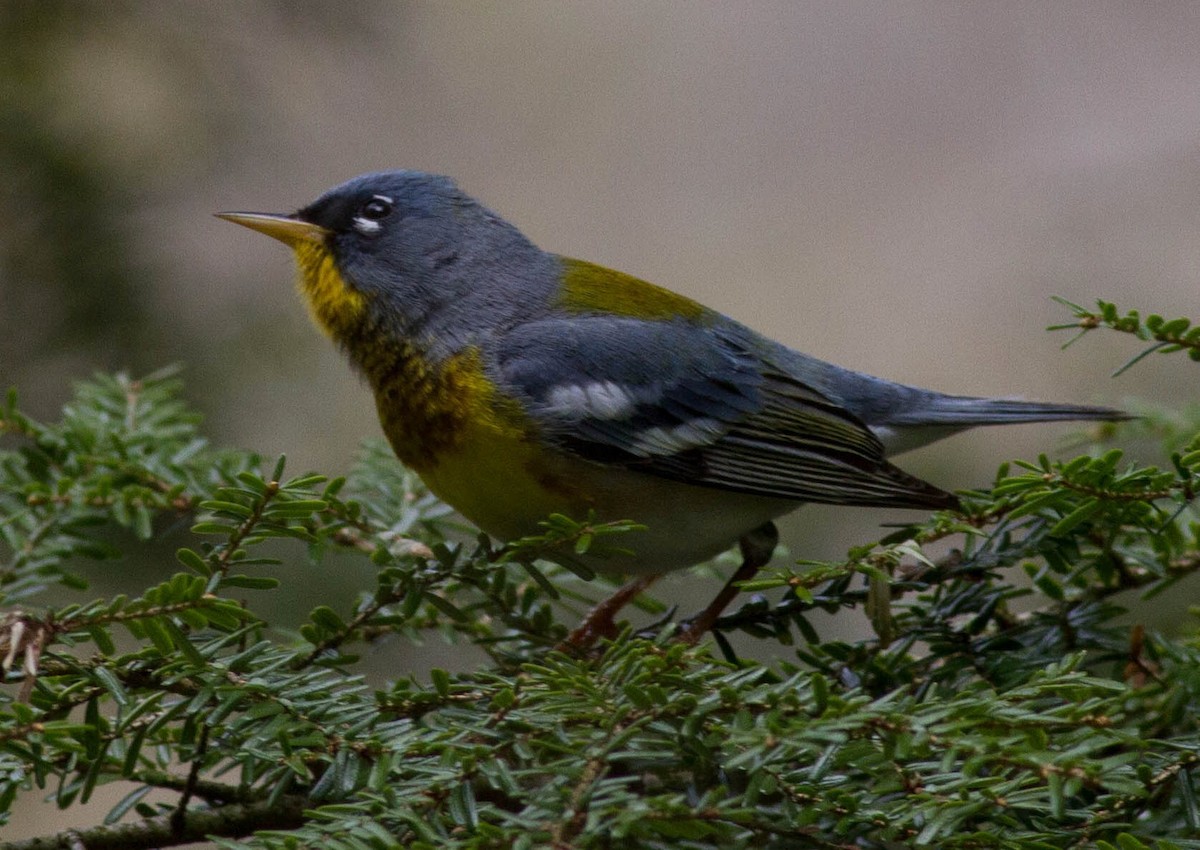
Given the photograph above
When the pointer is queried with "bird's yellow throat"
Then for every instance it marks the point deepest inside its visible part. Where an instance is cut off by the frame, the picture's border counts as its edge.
(428, 410)
(334, 305)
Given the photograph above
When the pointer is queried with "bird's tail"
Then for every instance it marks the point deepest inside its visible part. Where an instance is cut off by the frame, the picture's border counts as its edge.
(931, 416)
(965, 412)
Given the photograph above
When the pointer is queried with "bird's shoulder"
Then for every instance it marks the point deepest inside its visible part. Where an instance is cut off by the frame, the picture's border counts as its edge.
(590, 289)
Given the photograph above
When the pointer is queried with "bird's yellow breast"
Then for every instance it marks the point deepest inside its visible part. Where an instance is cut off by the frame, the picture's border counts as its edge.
(500, 483)
(472, 447)
(430, 410)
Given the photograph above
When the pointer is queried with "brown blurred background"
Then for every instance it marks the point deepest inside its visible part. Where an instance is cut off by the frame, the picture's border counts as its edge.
(896, 187)
(899, 188)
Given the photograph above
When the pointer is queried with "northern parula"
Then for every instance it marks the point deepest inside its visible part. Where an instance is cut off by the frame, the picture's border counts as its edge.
(519, 383)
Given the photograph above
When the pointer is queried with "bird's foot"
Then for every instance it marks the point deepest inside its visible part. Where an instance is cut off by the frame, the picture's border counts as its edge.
(600, 622)
(757, 548)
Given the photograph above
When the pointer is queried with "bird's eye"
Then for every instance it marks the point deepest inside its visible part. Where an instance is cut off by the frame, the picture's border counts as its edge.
(376, 209)
(370, 214)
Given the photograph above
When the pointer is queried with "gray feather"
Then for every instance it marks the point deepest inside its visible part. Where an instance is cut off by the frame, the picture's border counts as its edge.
(704, 408)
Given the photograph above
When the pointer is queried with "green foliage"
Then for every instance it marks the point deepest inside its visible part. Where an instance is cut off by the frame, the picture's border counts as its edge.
(1167, 335)
(1002, 702)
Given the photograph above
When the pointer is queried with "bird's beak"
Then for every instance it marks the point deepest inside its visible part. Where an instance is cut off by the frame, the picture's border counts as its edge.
(287, 229)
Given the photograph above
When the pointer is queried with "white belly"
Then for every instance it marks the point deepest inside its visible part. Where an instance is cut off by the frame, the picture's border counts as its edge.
(685, 524)
(507, 487)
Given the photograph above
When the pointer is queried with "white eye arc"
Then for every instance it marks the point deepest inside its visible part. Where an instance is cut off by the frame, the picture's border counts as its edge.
(367, 222)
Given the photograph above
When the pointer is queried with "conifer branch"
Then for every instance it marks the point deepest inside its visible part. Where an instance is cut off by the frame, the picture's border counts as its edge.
(234, 820)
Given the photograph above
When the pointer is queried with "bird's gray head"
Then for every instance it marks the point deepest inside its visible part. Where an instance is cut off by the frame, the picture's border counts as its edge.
(422, 248)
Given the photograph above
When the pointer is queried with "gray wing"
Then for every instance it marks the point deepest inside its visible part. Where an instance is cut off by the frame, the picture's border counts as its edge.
(703, 408)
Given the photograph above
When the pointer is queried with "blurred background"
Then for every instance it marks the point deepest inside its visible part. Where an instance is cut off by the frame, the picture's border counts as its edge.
(898, 187)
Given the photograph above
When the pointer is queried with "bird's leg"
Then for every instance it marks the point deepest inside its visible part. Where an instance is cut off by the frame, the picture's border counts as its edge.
(600, 622)
(757, 548)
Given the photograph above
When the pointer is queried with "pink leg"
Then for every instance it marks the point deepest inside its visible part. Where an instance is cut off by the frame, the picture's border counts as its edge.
(600, 622)
(757, 548)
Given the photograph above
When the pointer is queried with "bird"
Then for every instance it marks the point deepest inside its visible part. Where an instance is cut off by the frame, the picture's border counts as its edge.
(519, 383)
